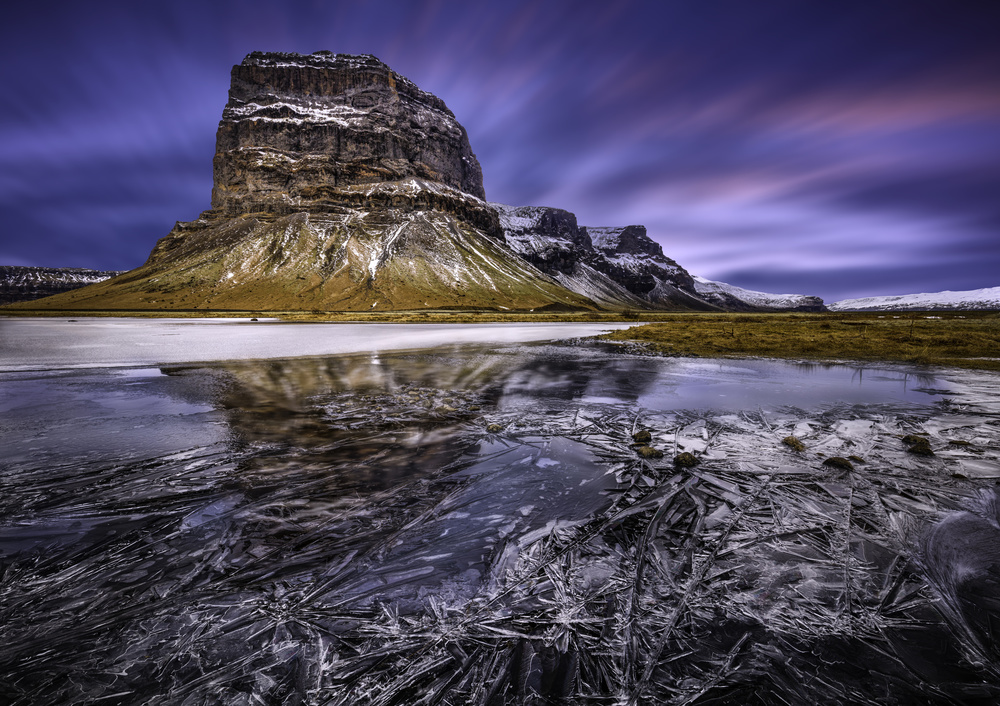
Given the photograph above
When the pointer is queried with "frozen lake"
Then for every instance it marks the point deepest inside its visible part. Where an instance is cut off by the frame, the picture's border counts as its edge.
(472, 523)
(43, 343)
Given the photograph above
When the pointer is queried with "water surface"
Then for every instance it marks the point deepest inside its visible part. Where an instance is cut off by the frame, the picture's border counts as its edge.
(473, 524)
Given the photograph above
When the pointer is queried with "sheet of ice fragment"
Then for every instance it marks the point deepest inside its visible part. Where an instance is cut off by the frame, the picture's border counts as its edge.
(345, 530)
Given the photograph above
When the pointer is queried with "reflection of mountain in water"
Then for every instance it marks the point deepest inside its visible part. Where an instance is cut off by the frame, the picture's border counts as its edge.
(346, 530)
(369, 422)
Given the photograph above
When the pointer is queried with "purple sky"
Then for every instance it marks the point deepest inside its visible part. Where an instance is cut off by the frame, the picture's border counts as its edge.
(832, 148)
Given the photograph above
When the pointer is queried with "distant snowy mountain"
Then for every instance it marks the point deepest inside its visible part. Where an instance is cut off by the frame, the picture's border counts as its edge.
(972, 299)
(735, 298)
(19, 284)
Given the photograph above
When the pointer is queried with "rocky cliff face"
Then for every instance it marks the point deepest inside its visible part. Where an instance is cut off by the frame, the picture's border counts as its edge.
(616, 267)
(628, 256)
(622, 267)
(298, 127)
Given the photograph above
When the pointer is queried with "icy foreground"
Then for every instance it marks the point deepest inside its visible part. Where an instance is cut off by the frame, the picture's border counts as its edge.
(467, 525)
(972, 299)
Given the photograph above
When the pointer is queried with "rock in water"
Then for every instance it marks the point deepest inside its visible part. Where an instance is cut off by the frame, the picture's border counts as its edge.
(338, 185)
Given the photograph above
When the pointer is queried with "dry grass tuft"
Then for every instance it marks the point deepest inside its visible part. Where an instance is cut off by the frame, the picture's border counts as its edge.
(962, 339)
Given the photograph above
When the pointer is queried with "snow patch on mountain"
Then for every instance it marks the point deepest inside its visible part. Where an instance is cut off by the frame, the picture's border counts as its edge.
(722, 294)
(987, 298)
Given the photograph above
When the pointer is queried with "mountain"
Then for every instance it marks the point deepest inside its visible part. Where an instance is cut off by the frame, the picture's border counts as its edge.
(973, 299)
(340, 185)
(735, 298)
(337, 185)
(19, 284)
(621, 267)
(615, 267)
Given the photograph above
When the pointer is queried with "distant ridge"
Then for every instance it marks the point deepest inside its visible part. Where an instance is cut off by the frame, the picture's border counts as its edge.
(970, 300)
(19, 284)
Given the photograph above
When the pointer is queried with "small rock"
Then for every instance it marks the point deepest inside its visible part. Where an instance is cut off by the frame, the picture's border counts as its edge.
(494, 428)
(918, 445)
(649, 452)
(959, 442)
(685, 460)
(794, 443)
(642, 437)
(838, 462)
(855, 459)
(474, 408)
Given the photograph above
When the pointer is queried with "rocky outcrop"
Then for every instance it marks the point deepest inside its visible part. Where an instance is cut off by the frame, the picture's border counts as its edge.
(622, 267)
(616, 267)
(630, 257)
(340, 185)
(548, 238)
(296, 128)
(20, 284)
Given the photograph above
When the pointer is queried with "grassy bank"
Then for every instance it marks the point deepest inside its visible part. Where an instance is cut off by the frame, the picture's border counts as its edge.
(421, 316)
(963, 339)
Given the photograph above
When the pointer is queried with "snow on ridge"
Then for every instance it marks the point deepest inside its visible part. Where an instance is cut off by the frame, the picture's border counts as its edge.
(518, 219)
(987, 298)
(26, 275)
(339, 113)
(605, 237)
(710, 290)
(641, 263)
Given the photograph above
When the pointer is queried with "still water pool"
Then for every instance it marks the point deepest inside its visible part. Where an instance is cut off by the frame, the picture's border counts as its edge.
(472, 524)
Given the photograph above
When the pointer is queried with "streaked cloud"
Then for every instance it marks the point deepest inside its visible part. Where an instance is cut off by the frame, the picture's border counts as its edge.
(838, 149)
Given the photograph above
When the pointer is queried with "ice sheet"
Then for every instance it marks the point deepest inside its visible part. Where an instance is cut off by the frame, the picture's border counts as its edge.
(474, 525)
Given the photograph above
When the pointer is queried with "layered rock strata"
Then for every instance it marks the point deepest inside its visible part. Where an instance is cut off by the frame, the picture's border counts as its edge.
(297, 127)
(338, 185)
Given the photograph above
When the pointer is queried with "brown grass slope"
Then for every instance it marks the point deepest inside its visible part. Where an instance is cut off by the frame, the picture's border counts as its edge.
(969, 339)
(351, 261)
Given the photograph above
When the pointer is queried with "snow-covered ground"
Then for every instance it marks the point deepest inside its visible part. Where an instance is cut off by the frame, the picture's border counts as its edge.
(44, 343)
(988, 298)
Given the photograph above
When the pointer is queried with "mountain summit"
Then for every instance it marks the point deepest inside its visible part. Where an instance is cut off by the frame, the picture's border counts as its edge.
(298, 127)
(339, 185)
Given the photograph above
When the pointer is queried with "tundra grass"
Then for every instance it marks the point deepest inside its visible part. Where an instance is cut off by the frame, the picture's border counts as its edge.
(966, 339)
